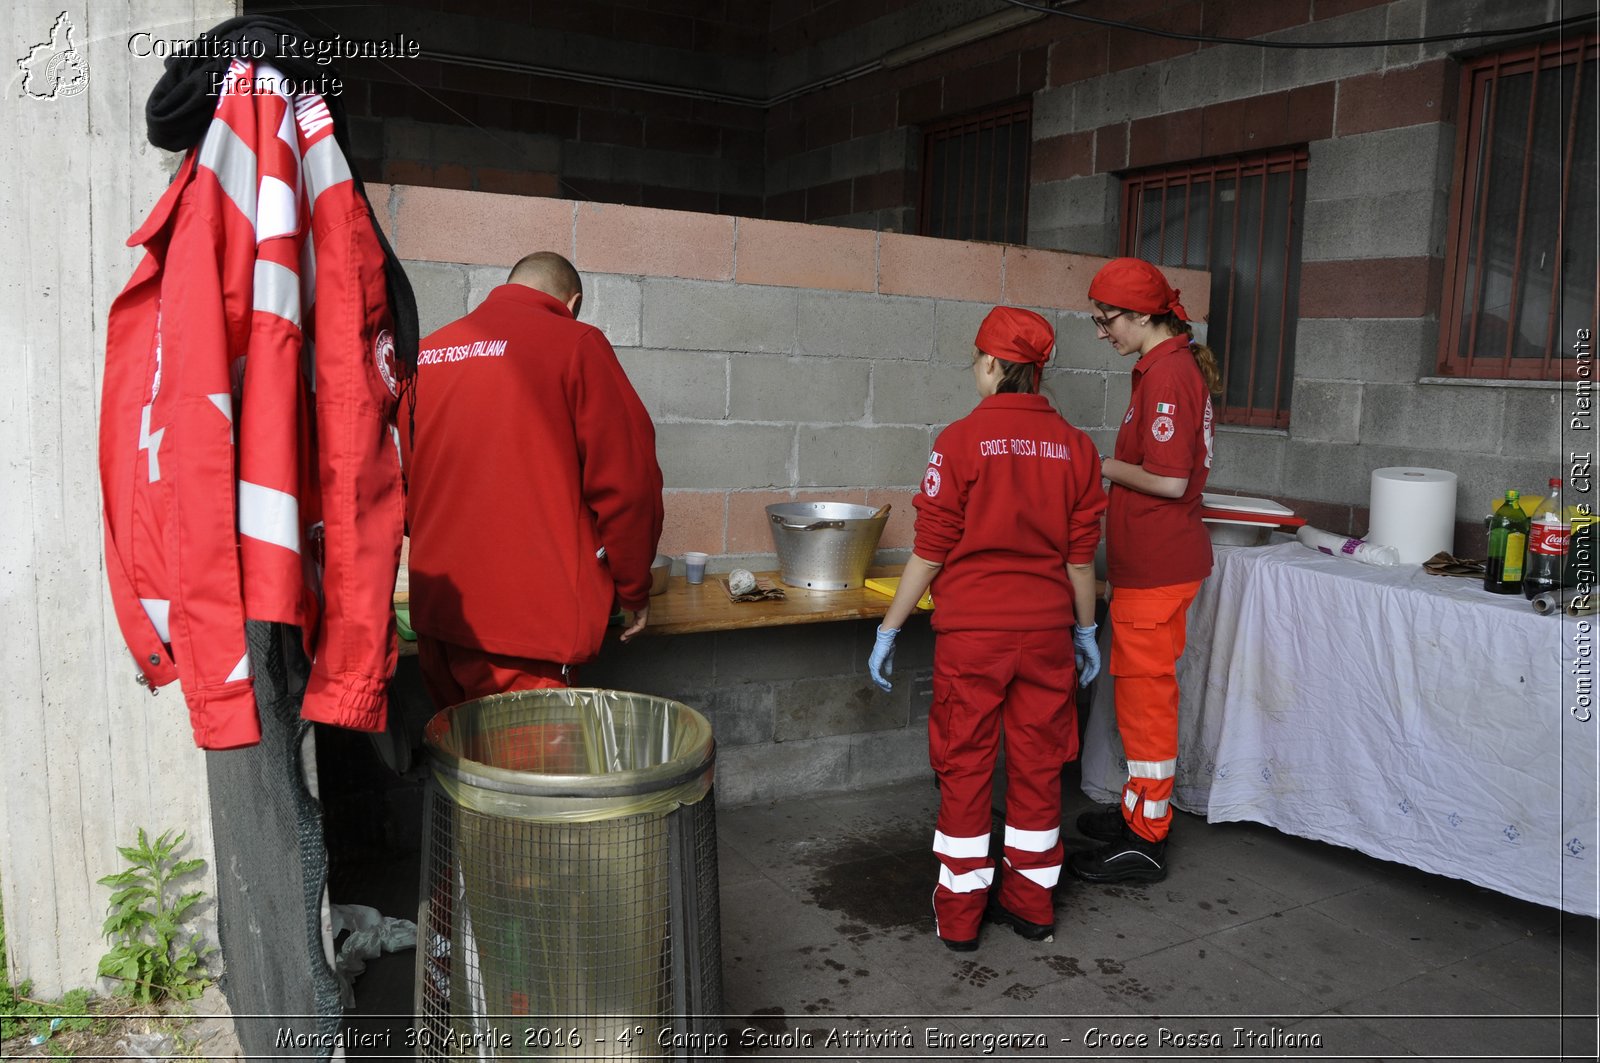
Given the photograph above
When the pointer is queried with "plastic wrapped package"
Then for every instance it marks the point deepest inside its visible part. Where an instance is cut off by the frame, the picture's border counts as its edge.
(1345, 546)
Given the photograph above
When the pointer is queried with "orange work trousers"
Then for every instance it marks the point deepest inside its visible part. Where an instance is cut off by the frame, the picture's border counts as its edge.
(453, 674)
(1148, 626)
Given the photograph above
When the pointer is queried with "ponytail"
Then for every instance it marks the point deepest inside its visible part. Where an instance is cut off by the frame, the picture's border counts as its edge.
(1204, 357)
(1020, 378)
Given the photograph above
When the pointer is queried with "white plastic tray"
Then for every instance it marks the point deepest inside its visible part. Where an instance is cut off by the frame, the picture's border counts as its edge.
(1245, 505)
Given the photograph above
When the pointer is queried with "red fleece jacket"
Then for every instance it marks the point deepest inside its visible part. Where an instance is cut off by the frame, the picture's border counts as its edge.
(535, 496)
(1011, 495)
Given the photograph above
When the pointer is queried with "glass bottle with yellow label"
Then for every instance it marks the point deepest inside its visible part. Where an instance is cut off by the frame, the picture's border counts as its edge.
(1508, 547)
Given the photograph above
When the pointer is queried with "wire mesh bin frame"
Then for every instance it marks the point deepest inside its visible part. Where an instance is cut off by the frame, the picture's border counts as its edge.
(570, 934)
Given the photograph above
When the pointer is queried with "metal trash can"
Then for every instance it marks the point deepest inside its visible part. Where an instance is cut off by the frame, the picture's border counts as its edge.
(569, 904)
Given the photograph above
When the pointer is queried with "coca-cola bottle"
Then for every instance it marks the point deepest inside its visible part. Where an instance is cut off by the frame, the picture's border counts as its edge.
(1547, 546)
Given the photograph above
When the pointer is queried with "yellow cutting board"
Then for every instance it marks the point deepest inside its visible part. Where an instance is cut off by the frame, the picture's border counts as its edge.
(887, 585)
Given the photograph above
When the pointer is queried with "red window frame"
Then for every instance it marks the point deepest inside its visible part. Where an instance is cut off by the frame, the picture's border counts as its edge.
(1243, 346)
(962, 167)
(1466, 347)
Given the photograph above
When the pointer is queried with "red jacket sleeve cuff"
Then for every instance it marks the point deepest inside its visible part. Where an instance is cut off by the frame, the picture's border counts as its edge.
(225, 717)
(360, 703)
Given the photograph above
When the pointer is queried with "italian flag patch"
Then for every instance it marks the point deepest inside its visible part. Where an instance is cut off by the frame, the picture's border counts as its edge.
(1166, 407)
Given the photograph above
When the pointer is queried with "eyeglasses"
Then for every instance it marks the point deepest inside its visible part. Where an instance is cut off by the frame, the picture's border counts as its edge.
(1104, 323)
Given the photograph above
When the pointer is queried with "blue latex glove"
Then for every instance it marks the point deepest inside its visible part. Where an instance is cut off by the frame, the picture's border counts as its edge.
(881, 664)
(1086, 650)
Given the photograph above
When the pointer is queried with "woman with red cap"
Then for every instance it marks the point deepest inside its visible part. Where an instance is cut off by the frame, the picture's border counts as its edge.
(1007, 525)
(1157, 553)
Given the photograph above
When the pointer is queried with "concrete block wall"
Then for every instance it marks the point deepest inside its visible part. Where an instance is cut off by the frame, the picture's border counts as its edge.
(498, 122)
(1380, 127)
(851, 153)
(780, 362)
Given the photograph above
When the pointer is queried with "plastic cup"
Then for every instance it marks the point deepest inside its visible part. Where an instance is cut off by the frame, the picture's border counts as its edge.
(694, 564)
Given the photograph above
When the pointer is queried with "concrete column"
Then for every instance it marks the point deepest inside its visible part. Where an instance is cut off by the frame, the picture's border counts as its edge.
(86, 756)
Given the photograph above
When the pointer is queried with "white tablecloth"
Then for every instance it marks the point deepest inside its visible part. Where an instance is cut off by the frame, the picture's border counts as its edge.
(1413, 717)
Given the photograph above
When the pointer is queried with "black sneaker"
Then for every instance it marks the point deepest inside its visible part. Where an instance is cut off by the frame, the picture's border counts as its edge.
(1029, 931)
(1103, 824)
(970, 945)
(1128, 859)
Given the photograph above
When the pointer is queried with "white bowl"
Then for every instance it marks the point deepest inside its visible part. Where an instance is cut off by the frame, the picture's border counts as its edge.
(1238, 533)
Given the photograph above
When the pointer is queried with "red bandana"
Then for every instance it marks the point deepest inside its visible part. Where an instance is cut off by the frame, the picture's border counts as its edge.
(1013, 334)
(1134, 284)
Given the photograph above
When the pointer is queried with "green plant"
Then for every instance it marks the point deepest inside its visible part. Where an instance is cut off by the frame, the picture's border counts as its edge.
(148, 958)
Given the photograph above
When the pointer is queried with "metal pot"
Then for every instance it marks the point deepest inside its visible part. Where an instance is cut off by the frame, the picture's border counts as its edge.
(825, 546)
(660, 570)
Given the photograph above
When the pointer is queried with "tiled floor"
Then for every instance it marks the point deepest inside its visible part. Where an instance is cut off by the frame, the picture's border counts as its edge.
(1257, 945)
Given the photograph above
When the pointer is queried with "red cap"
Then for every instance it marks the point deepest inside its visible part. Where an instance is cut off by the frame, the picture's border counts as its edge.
(1134, 284)
(1013, 334)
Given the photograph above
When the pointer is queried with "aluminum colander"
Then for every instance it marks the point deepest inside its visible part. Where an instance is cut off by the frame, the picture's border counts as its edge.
(825, 546)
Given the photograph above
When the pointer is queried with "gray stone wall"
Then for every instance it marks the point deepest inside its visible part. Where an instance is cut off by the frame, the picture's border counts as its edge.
(1380, 128)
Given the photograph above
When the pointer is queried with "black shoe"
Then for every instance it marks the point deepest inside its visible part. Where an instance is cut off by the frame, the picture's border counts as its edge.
(1029, 931)
(1103, 824)
(1128, 859)
(970, 945)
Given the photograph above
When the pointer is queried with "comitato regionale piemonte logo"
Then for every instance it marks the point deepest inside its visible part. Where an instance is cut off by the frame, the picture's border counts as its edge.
(55, 69)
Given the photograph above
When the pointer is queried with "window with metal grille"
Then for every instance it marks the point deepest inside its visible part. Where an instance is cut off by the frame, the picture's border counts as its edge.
(1239, 218)
(975, 176)
(1520, 271)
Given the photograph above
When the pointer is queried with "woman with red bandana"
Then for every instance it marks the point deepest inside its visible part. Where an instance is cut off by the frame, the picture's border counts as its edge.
(1007, 525)
(1157, 553)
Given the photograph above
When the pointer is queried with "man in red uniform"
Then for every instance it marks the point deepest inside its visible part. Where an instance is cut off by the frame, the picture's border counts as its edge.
(534, 494)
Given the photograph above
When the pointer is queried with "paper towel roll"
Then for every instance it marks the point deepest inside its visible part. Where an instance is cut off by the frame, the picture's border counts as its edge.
(1414, 511)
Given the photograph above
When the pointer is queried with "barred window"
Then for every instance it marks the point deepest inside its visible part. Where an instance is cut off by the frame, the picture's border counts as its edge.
(1520, 271)
(975, 175)
(1240, 218)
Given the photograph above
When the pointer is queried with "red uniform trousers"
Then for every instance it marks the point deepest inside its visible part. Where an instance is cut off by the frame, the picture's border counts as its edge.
(453, 674)
(1148, 627)
(1023, 680)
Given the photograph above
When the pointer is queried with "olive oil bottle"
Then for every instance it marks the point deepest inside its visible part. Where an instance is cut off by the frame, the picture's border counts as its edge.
(1508, 547)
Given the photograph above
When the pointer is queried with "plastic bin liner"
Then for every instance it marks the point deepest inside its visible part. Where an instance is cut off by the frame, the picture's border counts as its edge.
(571, 755)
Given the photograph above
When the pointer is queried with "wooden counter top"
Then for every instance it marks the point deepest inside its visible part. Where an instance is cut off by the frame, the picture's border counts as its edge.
(686, 610)
(683, 609)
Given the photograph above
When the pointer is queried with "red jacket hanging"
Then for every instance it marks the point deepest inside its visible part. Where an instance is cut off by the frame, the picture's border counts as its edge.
(249, 463)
